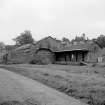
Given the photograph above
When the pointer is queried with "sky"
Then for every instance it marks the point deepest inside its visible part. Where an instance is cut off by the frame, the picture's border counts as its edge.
(56, 18)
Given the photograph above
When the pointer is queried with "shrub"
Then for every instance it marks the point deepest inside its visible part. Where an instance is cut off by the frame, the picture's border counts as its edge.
(38, 60)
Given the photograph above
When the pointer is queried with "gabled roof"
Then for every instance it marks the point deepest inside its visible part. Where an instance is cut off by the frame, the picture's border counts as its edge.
(45, 43)
(24, 47)
(49, 37)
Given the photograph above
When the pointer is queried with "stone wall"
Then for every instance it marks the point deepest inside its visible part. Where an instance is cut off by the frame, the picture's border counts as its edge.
(46, 56)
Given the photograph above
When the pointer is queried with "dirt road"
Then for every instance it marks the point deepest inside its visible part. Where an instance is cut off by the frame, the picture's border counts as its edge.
(20, 88)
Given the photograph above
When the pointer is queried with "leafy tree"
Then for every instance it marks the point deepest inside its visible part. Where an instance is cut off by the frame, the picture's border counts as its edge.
(2, 49)
(79, 38)
(2, 46)
(3, 55)
(24, 38)
(65, 41)
(100, 40)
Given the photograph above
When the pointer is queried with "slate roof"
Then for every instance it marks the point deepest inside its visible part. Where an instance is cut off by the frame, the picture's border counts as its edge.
(49, 37)
(27, 46)
(78, 47)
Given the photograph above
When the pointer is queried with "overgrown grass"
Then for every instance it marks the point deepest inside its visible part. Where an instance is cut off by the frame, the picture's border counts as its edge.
(82, 85)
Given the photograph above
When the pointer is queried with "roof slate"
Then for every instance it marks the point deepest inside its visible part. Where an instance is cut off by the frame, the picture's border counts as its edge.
(78, 47)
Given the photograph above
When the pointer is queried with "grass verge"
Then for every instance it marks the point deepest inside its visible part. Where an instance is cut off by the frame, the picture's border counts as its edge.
(90, 91)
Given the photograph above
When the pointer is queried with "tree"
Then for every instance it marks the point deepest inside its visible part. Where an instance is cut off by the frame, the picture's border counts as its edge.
(24, 38)
(80, 38)
(3, 53)
(100, 40)
(2, 49)
(66, 41)
(2, 46)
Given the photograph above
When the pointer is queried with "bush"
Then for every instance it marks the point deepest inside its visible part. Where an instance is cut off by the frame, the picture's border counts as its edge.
(38, 60)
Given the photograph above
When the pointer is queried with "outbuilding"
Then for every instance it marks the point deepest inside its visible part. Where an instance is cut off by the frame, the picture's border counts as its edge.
(74, 54)
(87, 52)
(50, 50)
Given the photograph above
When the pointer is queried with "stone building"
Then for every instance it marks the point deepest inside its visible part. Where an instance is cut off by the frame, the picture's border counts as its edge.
(76, 53)
(86, 52)
(43, 48)
(51, 50)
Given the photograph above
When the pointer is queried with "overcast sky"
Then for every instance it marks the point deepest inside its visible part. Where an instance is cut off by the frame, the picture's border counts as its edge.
(57, 18)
